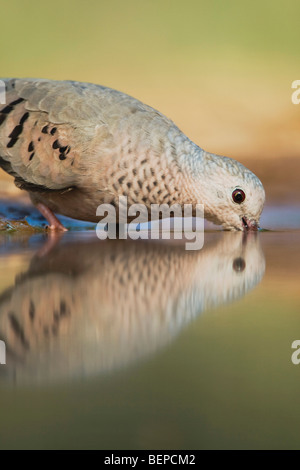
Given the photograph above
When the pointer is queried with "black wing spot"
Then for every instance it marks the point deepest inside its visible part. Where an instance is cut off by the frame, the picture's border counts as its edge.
(2, 118)
(14, 103)
(7, 109)
(63, 149)
(121, 179)
(31, 310)
(63, 309)
(56, 145)
(52, 132)
(24, 118)
(31, 156)
(18, 330)
(14, 135)
(62, 156)
(31, 147)
(45, 130)
(16, 131)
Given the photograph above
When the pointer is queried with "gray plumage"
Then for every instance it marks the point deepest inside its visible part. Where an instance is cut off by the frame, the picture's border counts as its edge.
(88, 307)
(74, 145)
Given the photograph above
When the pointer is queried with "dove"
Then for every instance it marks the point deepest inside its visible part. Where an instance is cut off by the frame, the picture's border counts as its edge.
(74, 146)
(88, 308)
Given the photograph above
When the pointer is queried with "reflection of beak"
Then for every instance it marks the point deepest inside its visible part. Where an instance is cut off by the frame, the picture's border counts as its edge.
(249, 224)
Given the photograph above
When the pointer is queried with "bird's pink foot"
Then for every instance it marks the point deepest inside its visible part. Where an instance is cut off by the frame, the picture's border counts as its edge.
(54, 223)
(52, 241)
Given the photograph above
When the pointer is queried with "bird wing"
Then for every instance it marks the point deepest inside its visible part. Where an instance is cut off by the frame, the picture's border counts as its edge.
(55, 134)
(46, 129)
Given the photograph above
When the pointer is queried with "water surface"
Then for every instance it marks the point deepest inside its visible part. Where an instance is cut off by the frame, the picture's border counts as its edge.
(122, 344)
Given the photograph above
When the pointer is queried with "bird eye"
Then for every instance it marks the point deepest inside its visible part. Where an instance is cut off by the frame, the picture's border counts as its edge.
(238, 196)
(239, 265)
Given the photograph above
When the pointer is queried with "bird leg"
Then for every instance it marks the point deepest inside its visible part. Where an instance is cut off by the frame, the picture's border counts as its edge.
(54, 223)
(51, 242)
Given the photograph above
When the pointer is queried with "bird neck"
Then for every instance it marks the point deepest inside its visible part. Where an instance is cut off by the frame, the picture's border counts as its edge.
(192, 163)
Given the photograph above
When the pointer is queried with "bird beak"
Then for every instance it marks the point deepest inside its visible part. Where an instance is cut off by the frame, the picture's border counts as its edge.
(249, 224)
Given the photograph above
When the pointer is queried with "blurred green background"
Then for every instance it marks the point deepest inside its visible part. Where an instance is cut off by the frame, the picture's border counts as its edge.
(221, 70)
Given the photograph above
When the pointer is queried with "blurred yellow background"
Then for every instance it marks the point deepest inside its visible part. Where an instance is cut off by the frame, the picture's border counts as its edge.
(221, 70)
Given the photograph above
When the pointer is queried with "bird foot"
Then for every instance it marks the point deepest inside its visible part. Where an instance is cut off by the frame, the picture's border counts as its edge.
(57, 227)
(52, 241)
(54, 223)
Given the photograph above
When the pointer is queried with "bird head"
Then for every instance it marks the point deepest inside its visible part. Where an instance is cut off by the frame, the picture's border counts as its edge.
(233, 196)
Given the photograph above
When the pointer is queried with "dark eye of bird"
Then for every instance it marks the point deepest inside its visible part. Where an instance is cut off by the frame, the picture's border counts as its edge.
(239, 265)
(238, 196)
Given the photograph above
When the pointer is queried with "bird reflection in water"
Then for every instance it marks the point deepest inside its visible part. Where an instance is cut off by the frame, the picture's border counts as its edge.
(90, 307)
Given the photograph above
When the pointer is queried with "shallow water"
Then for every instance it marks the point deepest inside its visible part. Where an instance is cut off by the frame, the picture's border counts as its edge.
(122, 344)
